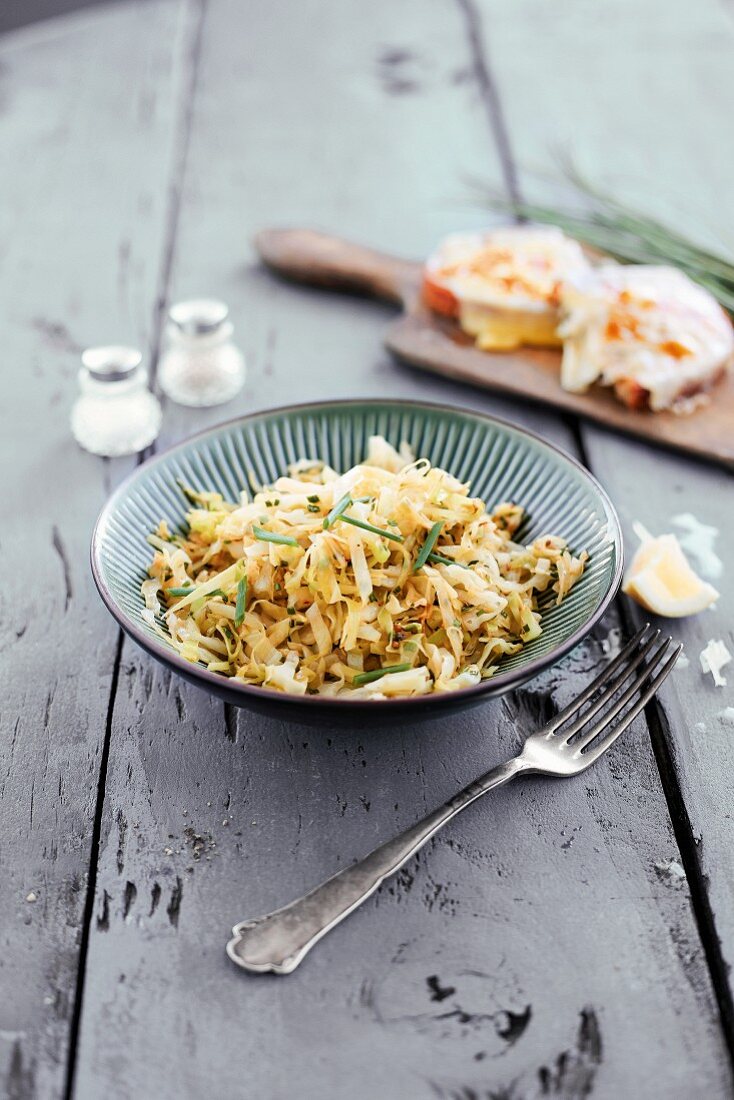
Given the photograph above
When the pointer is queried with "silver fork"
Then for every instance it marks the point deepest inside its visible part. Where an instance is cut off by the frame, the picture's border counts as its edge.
(280, 940)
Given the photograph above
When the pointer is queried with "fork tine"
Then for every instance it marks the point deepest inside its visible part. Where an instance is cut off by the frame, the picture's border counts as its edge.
(619, 704)
(608, 741)
(594, 686)
(605, 695)
(638, 685)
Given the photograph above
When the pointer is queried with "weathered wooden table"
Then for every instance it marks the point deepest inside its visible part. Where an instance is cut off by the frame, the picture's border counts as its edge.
(544, 945)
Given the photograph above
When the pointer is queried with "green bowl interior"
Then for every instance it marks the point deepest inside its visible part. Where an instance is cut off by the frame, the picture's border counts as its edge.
(500, 461)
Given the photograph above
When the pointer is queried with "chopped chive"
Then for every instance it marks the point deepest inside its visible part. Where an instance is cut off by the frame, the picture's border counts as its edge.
(291, 610)
(428, 545)
(239, 610)
(336, 511)
(368, 677)
(313, 500)
(180, 591)
(313, 507)
(218, 592)
(445, 561)
(371, 527)
(273, 536)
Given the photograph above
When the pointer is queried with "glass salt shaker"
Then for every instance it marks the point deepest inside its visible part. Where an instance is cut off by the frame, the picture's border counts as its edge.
(116, 413)
(201, 366)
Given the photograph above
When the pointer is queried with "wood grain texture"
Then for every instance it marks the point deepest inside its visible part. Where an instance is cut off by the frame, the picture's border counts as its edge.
(534, 949)
(659, 147)
(82, 219)
(540, 915)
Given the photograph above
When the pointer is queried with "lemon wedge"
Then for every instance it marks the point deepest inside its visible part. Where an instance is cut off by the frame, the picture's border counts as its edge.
(661, 579)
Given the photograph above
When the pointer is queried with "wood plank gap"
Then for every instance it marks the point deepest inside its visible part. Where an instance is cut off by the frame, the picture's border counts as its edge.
(703, 914)
(659, 731)
(181, 146)
(230, 722)
(89, 900)
(656, 720)
(697, 881)
(180, 159)
(490, 96)
(574, 426)
(660, 740)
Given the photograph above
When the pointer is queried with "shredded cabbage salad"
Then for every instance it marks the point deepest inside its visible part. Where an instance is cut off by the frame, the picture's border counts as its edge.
(387, 580)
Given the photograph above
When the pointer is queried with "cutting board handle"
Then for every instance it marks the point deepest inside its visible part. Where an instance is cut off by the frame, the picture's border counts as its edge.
(322, 260)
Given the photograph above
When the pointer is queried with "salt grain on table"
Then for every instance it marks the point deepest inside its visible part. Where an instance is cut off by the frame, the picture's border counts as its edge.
(671, 871)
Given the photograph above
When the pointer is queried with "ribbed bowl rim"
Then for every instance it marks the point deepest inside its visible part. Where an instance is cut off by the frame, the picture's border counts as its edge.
(215, 682)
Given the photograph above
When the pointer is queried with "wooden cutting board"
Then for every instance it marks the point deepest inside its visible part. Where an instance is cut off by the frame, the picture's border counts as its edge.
(421, 338)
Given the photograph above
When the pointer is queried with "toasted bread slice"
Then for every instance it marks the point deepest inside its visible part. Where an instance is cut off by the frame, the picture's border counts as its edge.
(660, 340)
(503, 286)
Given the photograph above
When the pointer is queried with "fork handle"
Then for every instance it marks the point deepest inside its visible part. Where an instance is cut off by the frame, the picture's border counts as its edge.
(280, 940)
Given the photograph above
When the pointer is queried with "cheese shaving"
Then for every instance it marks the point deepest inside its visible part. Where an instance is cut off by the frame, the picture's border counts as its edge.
(713, 658)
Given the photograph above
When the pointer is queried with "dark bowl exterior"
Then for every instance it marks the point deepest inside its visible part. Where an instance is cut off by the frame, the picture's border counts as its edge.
(341, 710)
(356, 714)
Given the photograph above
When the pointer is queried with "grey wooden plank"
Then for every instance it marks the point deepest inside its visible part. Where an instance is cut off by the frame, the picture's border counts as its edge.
(86, 160)
(661, 146)
(510, 908)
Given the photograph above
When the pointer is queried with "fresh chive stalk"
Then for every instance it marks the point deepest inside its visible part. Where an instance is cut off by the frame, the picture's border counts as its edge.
(628, 235)
(340, 506)
(369, 677)
(445, 561)
(428, 545)
(371, 527)
(180, 591)
(273, 536)
(239, 609)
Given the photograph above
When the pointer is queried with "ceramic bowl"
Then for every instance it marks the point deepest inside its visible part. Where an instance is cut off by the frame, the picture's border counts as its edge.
(501, 460)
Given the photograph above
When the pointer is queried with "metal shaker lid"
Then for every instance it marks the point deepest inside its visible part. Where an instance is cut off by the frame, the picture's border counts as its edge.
(199, 316)
(111, 363)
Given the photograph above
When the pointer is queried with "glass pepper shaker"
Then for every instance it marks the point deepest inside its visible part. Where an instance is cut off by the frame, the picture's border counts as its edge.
(116, 413)
(201, 366)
